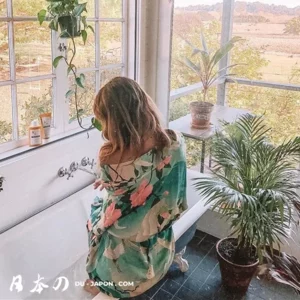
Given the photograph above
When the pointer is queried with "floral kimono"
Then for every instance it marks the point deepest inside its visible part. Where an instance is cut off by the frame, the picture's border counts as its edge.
(130, 231)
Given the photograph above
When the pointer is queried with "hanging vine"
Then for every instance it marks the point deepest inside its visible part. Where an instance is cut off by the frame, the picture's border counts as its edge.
(67, 14)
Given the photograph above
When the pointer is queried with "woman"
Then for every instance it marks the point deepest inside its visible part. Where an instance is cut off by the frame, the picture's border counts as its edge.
(143, 170)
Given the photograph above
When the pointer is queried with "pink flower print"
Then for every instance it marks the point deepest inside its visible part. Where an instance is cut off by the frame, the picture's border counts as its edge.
(111, 215)
(139, 197)
(166, 193)
(160, 166)
(164, 162)
(165, 215)
(167, 160)
(119, 192)
(89, 225)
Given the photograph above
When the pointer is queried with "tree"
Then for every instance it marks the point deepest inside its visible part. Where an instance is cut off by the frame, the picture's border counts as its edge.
(292, 26)
(5, 131)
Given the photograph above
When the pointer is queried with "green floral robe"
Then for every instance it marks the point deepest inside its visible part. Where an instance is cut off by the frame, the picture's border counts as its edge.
(130, 229)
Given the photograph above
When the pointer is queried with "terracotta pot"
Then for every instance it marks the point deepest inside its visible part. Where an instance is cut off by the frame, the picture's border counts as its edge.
(235, 278)
(71, 25)
(201, 112)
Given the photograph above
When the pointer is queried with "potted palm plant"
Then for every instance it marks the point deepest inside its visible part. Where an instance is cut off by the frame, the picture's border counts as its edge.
(204, 62)
(254, 185)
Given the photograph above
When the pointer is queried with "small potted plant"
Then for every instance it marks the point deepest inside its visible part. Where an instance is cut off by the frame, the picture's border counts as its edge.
(68, 15)
(204, 65)
(254, 185)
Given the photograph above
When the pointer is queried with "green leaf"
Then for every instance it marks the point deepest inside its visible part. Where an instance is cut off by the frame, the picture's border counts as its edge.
(65, 34)
(83, 20)
(204, 45)
(192, 66)
(82, 78)
(79, 9)
(84, 36)
(96, 124)
(91, 28)
(53, 25)
(56, 61)
(69, 93)
(42, 16)
(79, 83)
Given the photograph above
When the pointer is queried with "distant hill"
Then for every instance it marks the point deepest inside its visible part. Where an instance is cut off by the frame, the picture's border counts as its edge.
(245, 8)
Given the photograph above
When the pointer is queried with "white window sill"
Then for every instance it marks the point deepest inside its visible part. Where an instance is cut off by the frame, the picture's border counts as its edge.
(10, 154)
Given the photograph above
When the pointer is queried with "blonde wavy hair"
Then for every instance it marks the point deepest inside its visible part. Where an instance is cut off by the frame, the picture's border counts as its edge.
(128, 117)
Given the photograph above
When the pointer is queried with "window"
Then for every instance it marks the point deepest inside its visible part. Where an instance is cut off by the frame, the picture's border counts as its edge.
(280, 107)
(271, 51)
(267, 79)
(28, 83)
(189, 21)
(191, 18)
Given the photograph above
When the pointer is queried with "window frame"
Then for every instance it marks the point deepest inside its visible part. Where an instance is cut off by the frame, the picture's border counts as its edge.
(226, 35)
(60, 85)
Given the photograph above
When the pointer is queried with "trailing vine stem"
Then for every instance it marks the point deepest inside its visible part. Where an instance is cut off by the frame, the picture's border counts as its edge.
(73, 69)
(73, 10)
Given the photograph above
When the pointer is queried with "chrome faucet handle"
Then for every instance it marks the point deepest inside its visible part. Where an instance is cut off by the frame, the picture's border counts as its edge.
(70, 175)
(92, 163)
(62, 172)
(73, 167)
(85, 161)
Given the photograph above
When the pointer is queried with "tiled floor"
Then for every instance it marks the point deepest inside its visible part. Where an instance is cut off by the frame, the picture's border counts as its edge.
(203, 279)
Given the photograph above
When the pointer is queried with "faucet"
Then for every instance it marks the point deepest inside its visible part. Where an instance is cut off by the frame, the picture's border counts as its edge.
(75, 166)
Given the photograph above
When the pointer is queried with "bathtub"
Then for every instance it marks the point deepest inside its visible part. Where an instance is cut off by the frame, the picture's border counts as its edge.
(53, 244)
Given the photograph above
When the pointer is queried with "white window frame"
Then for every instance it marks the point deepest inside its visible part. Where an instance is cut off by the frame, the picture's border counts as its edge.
(226, 35)
(62, 127)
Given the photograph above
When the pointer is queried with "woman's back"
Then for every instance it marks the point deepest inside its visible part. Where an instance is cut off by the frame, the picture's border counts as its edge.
(131, 231)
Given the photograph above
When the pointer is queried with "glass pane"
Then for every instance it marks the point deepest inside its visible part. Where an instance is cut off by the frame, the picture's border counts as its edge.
(110, 43)
(180, 107)
(32, 49)
(85, 97)
(110, 8)
(2, 8)
(271, 50)
(33, 98)
(85, 54)
(90, 8)
(191, 18)
(193, 154)
(281, 108)
(5, 115)
(4, 53)
(107, 75)
(27, 7)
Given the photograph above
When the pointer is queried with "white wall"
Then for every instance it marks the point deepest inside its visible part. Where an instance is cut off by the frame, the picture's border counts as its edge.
(31, 181)
(212, 223)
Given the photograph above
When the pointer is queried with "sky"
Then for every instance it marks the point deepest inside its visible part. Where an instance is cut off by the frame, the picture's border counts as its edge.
(288, 3)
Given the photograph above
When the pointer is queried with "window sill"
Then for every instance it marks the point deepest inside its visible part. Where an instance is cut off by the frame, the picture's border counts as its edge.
(27, 149)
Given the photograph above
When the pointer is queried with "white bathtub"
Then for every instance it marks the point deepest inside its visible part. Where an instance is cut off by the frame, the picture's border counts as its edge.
(54, 243)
